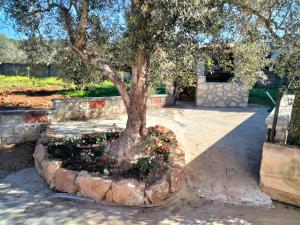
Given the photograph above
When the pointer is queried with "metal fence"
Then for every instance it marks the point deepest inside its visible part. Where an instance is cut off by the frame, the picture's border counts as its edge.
(36, 70)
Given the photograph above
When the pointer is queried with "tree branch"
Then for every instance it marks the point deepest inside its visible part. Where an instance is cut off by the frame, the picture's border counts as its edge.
(268, 23)
(107, 72)
(81, 38)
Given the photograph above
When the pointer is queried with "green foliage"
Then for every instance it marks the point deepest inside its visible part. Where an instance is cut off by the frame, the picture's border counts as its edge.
(174, 35)
(24, 81)
(145, 165)
(85, 153)
(294, 132)
(260, 97)
(105, 88)
(11, 51)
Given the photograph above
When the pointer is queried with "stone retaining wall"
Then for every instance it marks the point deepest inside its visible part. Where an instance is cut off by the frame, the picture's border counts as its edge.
(284, 118)
(89, 108)
(280, 173)
(220, 94)
(19, 126)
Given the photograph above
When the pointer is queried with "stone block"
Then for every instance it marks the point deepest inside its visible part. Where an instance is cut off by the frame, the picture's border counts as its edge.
(64, 180)
(158, 192)
(12, 139)
(49, 168)
(176, 179)
(108, 196)
(6, 130)
(280, 173)
(40, 153)
(128, 192)
(92, 187)
(12, 119)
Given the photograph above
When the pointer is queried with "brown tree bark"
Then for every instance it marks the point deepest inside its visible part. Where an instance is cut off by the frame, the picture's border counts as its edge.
(136, 111)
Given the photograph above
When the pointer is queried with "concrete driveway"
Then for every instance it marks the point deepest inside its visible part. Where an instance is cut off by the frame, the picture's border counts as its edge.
(223, 152)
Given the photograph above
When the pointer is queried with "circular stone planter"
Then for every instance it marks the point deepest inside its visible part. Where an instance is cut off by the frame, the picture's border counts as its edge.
(128, 192)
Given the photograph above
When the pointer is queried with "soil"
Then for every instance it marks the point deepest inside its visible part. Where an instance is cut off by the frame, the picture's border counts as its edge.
(29, 97)
(15, 157)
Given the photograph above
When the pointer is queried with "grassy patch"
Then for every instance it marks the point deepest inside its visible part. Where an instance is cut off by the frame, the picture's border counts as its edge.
(260, 97)
(104, 89)
(24, 81)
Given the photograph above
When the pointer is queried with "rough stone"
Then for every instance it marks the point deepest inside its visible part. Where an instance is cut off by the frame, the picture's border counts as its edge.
(176, 179)
(158, 191)
(40, 153)
(280, 173)
(92, 187)
(64, 180)
(109, 196)
(49, 168)
(128, 192)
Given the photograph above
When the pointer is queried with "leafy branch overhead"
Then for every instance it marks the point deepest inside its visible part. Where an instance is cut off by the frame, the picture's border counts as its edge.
(158, 40)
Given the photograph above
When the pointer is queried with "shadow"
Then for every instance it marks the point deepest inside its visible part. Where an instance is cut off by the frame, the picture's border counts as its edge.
(228, 166)
(25, 200)
(15, 108)
(228, 170)
(40, 93)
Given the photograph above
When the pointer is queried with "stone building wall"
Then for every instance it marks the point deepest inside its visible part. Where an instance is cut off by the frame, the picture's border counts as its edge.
(220, 94)
(19, 126)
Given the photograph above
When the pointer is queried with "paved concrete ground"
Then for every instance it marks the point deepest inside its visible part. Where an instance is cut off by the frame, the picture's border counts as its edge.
(223, 152)
(223, 148)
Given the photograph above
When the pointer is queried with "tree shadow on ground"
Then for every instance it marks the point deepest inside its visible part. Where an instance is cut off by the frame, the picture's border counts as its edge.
(24, 197)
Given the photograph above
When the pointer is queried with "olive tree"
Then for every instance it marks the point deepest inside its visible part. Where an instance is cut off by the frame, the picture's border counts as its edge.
(126, 35)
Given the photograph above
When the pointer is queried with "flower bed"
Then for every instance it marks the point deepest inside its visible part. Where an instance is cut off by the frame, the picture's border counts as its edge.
(85, 167)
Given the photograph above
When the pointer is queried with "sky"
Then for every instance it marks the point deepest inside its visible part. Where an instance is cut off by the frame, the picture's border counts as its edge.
(6, 27)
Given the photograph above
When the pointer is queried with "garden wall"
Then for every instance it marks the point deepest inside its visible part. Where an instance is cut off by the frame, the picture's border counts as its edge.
(89, 108)
(280, 173)
(284, 118)
(220, 94)
(19, 126)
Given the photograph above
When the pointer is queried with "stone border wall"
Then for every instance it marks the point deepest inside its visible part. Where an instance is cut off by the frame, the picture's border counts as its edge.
(280, 173)
(220, 94)
(101, 188)
(284, 118)
(19, 126)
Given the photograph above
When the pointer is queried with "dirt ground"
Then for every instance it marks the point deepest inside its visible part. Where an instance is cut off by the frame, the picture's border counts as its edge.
(29, 98)
(15, 157)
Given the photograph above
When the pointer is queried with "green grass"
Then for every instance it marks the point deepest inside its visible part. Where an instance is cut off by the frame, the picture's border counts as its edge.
(104, 89)
(260, 97)
(24, 81)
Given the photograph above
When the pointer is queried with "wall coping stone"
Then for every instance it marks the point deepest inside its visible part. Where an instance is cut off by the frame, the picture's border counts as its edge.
(285, 112)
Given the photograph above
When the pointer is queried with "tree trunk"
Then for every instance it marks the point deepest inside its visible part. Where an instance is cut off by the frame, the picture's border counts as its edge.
(136, 111)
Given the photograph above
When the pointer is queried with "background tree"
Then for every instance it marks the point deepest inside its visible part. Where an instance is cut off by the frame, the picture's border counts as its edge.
(96, 29)
(11, 51)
